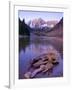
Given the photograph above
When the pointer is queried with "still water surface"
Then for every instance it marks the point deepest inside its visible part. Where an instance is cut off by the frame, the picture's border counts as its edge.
(31, 47)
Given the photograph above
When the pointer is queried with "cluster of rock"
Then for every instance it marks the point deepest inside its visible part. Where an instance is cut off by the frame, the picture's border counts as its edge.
(43, 64)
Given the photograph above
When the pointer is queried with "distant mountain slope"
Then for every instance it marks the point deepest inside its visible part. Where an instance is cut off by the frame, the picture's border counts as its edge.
(57, 30)
(39, 23)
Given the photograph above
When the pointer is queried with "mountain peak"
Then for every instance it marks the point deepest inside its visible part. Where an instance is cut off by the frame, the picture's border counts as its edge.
(39, 22)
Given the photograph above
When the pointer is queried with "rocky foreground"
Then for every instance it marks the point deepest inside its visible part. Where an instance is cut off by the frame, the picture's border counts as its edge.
(43, 63)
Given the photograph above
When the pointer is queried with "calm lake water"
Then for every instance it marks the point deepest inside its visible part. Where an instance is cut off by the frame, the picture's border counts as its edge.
(33, 46)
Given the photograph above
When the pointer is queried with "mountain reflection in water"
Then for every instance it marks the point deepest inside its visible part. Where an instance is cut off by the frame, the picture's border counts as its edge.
(31, 47)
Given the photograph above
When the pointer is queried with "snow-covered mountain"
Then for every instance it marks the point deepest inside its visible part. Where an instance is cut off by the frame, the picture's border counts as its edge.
(40, 23)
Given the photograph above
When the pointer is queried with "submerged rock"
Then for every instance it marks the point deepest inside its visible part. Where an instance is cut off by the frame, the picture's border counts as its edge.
(48, 66)
(27, 75)
(42, 64)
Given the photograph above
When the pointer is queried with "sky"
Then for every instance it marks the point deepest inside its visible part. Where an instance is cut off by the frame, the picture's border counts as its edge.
(30, 15)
